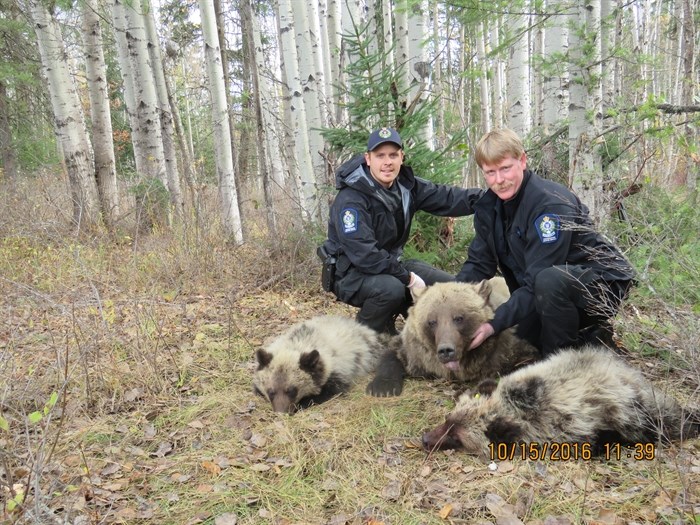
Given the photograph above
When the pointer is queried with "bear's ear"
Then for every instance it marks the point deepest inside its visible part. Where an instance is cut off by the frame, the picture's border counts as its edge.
(417, 292)
(263, 358)
(484, 289)
(486, 387)
(309, 361)
(503, 430)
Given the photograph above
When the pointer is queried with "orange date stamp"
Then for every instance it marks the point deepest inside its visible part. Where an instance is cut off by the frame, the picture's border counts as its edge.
(546, 450)
(564, 451)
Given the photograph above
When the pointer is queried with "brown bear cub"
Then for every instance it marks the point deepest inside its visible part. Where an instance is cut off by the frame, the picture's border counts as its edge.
(583, 396)
(435, 339)
(313, 361)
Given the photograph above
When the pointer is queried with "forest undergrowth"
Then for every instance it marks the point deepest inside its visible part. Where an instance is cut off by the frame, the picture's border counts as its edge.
(125, 390)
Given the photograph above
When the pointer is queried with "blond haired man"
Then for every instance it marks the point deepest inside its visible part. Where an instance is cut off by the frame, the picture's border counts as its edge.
(566, 280)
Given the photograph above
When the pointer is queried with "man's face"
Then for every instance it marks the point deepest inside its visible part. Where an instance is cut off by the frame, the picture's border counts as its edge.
(384, 163)
(505, 177)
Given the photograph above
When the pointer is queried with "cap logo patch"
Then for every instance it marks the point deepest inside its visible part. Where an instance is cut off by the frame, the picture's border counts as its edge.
(385, 133)
(548, 226)
(349, 219)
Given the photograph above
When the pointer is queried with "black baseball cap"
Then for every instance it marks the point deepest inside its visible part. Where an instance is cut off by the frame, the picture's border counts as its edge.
(382, 136)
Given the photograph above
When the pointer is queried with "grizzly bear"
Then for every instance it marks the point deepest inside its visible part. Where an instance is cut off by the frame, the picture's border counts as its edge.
(577, 396)
(435, 339)
(313, 361)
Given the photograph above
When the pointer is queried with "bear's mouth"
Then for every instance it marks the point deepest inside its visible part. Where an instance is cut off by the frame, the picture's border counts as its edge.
(452, 365)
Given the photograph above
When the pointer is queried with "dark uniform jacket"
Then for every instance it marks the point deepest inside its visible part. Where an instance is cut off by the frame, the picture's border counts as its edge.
(545, 225)
(369, 225)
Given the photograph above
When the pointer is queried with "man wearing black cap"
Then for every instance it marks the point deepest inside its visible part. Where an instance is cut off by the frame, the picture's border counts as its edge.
(369, 224)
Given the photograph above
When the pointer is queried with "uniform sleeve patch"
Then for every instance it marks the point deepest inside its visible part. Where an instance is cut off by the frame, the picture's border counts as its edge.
(548, 226)
(349, 218)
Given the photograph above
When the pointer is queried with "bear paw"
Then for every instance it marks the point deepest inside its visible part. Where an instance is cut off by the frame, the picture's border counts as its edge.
(384, 386)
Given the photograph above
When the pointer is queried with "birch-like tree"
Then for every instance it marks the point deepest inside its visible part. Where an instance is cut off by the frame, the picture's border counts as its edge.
(68, 118)
(301, 171)
(585, 108)
(165, 116)
(100, 115)
(518, 73)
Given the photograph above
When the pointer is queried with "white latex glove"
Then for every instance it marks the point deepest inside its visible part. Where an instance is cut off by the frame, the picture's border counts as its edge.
(416, 285)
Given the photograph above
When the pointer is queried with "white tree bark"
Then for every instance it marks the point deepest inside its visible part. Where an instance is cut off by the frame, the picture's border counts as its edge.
(302, 171)
(419, 64)
(172, 171)
(329, 27)
(68, 118)
(484, 84)
(334, 73)
(311, 75)
(96, 77)
(498, 83)
(401, 51)
(518, 76)
(585, 165)
(231, 216)
(555, 94)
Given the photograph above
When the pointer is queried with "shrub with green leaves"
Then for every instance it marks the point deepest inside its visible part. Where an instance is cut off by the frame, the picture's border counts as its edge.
(662, 242)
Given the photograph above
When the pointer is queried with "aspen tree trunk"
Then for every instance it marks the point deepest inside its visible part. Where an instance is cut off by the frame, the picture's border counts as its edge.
(230, 213)
(484, 84)
(301, 165)
(329, 27)
(498, 83)
(172, 172)
(438, 89)
(269, 168)
(96, 78)
(152, 195)
(68, 118)
(518, 76)
(688, 92)
(335, 71)
(351, 23)
(555, 93)
(401, 52)
(310, 55)
(419, 64)
(585, 168)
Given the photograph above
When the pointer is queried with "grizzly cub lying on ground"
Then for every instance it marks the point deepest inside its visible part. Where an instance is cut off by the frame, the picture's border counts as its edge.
(586, 396)
(436, 337)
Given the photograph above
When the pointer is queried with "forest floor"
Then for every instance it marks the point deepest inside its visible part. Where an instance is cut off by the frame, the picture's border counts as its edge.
(125, 397)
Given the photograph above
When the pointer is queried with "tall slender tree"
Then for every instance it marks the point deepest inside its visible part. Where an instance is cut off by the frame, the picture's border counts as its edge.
(68, 118)
(96, 77)
(231, 216)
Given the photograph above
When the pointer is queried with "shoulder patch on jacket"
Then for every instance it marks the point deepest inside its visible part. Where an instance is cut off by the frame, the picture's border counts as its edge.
(349, 219)
(548, 226)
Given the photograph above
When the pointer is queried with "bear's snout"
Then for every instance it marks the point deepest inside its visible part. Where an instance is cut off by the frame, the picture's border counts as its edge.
(446, 353)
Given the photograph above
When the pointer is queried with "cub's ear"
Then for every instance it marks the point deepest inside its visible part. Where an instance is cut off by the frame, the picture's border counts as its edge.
(310, 361)
(264, 357)
(504, 429)
(484, 289)
(486, 387)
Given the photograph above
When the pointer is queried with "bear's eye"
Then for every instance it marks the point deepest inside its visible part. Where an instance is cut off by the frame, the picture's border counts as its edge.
(458, 319)
(432, 323)
(291, 392)
(271, 393)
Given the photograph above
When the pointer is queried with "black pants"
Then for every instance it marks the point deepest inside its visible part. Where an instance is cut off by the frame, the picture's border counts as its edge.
(382, 297)
(573, 304)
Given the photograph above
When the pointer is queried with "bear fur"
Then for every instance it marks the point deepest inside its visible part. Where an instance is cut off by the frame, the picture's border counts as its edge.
(313, 361)
(586, 395)
(435, 339)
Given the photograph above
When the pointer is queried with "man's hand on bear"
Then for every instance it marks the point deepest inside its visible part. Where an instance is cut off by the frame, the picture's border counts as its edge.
(416, 285)
(482, 334)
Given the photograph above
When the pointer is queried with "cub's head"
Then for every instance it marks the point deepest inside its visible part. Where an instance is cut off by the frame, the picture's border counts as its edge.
(285, 378)
(476, 421)
(446, 315)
